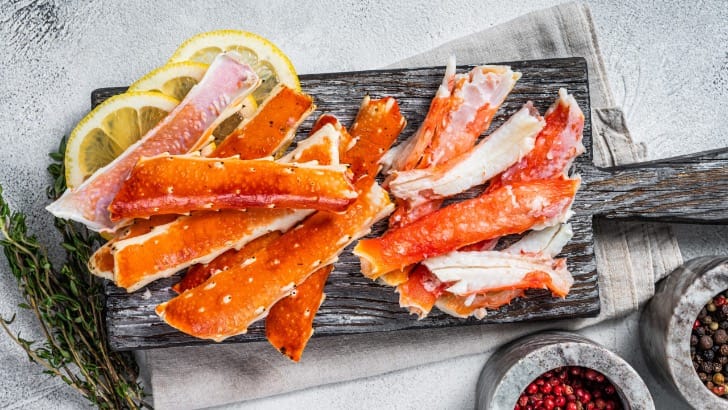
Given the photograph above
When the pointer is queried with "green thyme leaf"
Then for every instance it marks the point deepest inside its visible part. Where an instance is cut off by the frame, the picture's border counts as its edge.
(68, 303)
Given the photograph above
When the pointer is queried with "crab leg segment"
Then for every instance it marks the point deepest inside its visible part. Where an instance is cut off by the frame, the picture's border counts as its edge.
(323, 147)
(101, 262)
(462, 109)
(271, 129)
(496, 153)
(475, 304)
(226, 80)
(194, 239)
(168, 184)
(556, 145)
(289, 325)
(377, 125)
(508, 210)
(198, 274)
(541, 245)
(374, 130)
(227, 303)
(489, 271)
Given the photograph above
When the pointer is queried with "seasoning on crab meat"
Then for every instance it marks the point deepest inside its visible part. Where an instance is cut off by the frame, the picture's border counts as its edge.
(493, 155)
(226, 304)
(491, 271)
(289, 325)
(556, 145)
(271, 129)
(226, 80)
(476, 304)
(374, 130)
(198, 274)
(508, 210)
(179, 184)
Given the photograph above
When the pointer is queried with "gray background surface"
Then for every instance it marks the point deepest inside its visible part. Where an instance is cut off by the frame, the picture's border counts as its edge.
(667, 63)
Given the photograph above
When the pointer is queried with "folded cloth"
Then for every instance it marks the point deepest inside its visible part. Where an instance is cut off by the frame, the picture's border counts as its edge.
(630, 256)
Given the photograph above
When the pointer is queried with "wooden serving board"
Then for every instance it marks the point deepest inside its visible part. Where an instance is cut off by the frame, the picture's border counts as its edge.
(685, 189)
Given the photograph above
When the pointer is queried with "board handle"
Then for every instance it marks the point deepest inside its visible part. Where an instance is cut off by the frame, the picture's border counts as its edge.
(691, 188)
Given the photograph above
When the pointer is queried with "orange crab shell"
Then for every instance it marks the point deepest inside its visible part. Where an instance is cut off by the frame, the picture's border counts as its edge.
(179, 184)
(271, 129)
(198, 274)
(197, 238)
(101, 262)
(374, 130)
(227, 303)
(464, 306)
(508, 210)
(289, 325)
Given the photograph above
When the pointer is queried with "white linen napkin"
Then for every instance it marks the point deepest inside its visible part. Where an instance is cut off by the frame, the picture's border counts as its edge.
(631, 256)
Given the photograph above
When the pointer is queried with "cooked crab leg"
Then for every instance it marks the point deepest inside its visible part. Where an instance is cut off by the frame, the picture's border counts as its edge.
(475, 304)
(375, 128)
(193, 239)
(322, 147)
(202, 236)
(419, 299)
(493, 271)
(101, 263)
(462, 109)
(493, 155)
(271, 129)
(227, 303)
(226, 80)
(408, 154)
(285, 107)
(510, 209)
(556, 145)
(474, 101)
(179, 184)
(289, 325)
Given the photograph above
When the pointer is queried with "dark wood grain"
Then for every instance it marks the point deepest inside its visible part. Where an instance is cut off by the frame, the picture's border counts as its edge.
(683, 189)
(357, 305)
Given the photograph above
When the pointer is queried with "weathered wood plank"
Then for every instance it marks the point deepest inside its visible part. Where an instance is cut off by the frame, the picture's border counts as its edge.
(682, 189)
(355, 304)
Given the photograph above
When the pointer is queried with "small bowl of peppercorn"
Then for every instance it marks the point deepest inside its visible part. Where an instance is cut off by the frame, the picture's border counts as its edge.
(685, 332)
(560, 371)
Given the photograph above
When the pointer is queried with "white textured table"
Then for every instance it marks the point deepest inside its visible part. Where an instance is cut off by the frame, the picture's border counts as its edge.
(667, 62)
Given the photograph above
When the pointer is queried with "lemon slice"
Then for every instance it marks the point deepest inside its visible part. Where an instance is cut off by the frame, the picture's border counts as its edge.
(110, 128)
(174, 80)
(267, 60)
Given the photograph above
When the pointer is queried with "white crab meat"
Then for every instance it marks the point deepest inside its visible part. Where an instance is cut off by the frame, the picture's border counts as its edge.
(493, 155)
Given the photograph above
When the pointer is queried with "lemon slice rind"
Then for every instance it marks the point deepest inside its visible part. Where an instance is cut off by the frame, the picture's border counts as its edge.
(237, 40)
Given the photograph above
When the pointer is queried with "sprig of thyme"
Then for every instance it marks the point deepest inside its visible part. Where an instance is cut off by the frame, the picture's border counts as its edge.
(68, 303)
